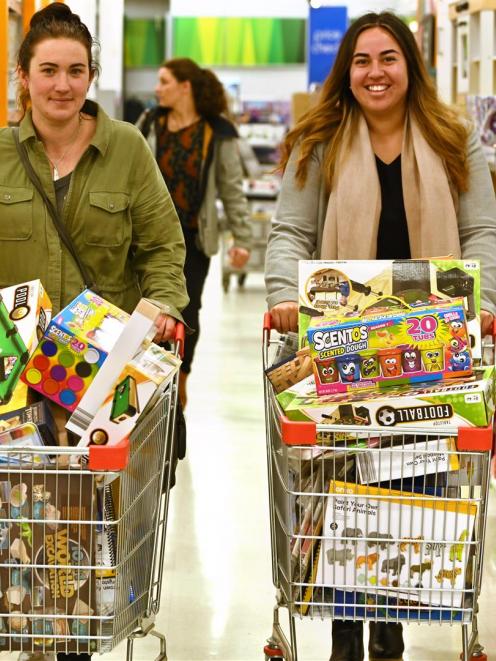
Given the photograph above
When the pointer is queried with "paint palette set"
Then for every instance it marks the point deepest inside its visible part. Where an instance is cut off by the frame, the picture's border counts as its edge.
(73, 349)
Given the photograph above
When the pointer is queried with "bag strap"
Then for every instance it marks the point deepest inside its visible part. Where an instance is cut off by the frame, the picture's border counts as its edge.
(59, 224)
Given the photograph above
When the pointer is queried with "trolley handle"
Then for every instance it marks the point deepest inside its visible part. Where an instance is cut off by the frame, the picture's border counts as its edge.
(179, 339)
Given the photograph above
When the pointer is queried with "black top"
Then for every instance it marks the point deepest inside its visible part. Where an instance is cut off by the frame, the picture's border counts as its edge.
(392, 236)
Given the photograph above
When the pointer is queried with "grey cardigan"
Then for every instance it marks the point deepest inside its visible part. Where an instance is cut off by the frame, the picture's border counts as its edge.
(298, 225)
(224, 180)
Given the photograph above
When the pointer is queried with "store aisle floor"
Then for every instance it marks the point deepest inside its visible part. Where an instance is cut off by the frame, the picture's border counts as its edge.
(218, 596)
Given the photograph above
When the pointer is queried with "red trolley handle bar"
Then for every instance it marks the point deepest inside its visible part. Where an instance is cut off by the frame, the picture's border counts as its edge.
(179, 338)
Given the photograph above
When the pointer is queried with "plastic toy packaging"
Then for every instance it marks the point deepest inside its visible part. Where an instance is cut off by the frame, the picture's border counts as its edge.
(420, 344)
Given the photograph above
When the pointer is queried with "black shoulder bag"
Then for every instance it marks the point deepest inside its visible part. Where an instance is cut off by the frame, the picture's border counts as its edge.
(57, 221)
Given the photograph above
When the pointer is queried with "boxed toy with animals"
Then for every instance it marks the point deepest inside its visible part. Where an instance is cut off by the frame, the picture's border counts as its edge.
(344, 288)
(426, 343)
(381, 538)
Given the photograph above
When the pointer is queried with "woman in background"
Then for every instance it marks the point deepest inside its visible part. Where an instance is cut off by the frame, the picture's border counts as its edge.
(197, 152)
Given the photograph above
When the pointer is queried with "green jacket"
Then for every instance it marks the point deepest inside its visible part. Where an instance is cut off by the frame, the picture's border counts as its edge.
(118, 212)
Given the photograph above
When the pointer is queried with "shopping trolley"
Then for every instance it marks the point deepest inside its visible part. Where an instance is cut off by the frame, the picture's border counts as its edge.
(374, 523)
(82, 538)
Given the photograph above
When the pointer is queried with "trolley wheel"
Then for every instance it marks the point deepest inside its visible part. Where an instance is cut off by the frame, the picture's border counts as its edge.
(273, 652)
(225, 282)
(241, 279)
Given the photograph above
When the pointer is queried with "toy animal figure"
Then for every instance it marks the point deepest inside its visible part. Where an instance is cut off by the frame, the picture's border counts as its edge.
(352, 532)
(449, 574)
(374, 537)
(434, 548)
(26, 532)
(340, 556)
(420, 569)
(456, 550)
(414, 541)
(393, 564)
(370, 560)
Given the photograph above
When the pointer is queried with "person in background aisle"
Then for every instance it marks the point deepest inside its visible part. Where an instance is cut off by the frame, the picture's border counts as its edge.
(197, 151)
(379, 168)
(100, 175)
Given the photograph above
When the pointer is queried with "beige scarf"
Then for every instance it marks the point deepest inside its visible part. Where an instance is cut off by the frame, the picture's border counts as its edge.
(353, 211)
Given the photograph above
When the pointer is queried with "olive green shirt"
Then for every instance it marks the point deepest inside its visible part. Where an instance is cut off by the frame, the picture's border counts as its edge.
(118, 212)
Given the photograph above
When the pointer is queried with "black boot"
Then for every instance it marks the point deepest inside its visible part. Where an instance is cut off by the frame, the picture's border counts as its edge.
(386, 641)
(347, 641)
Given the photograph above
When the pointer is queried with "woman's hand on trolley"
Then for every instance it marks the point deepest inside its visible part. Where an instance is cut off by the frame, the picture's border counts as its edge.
(238, 257)
(166, 327)
(285, 316)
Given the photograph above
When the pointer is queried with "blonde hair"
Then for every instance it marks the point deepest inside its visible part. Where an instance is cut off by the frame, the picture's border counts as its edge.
(325, 123)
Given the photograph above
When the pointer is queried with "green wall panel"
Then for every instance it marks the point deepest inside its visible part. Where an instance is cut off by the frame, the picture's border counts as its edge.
(144, 42)
(240, 41)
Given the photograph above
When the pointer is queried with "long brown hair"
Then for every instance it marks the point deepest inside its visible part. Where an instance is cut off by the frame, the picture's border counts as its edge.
(208, 92)
(325, 122)
(55, 21)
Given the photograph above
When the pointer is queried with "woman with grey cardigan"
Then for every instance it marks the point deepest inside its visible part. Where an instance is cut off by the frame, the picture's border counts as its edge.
(379, 168)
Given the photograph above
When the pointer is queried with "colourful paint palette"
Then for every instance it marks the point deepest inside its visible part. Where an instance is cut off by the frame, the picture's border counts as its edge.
(62, 371)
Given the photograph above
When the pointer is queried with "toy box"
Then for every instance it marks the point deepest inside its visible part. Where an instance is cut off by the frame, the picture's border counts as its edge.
(148, 372)
(73, 349)
(423, 344)
(25, 312)
(46, 553)
(355, 287)
(149, 364)
(418, 544)
(439, 405)
(39, 416)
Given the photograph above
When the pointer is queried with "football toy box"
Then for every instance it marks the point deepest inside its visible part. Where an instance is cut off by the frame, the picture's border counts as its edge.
(444, 405)
(74, 346)
(25, 312)
(357, 287)
(424, 344)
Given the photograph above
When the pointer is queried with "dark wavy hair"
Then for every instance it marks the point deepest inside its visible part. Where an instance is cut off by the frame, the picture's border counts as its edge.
(326, 121)
(208, 92)
(55, 21)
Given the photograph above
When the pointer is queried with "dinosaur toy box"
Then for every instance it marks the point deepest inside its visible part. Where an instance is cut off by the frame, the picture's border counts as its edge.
(383, 539)
(423, 344)
(440, 405)
(328, 289)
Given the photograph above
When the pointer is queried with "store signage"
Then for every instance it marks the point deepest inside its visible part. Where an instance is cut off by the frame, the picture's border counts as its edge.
(326, 27)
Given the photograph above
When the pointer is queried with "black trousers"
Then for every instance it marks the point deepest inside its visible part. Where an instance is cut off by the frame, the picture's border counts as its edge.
(195, 271)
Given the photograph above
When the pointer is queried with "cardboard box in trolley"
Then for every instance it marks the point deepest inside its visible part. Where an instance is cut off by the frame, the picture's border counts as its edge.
(25, 312)
(421, 344)
(356, 287)
(443, 406)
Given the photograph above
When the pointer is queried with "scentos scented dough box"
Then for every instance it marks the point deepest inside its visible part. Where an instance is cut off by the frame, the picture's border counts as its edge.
(422, 344)
(74, 346)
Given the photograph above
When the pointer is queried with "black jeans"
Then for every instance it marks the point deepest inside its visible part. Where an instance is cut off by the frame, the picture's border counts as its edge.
(72, 656)
(195, 271)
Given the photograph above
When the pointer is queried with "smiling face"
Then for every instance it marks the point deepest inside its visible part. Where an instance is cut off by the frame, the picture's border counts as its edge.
(378, 73)
(57, 80)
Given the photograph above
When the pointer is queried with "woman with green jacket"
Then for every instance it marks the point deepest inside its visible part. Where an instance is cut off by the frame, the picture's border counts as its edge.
(100, 175)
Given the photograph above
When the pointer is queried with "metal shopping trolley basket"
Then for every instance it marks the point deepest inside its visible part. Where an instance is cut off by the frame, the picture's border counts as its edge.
(375, 523)
(82, 538)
